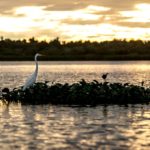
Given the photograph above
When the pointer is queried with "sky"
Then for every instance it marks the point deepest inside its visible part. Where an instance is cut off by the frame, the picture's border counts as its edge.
(73, 20)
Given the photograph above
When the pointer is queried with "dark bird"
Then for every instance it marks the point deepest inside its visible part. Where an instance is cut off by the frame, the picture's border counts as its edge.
(142, 83)
(104, 76)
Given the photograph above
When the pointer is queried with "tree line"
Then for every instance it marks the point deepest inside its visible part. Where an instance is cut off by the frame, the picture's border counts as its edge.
(74, 50)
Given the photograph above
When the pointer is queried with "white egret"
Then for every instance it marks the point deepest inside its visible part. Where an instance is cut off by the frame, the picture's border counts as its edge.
(31, 79)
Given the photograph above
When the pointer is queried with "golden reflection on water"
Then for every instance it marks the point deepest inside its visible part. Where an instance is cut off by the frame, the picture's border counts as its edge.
(55, 127)
(14, 74)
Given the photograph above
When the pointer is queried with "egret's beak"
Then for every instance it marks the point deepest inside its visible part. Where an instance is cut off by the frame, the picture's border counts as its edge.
(41, 55)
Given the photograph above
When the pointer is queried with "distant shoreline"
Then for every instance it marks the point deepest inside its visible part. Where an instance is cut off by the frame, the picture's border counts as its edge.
(78, 58)
(56, 50)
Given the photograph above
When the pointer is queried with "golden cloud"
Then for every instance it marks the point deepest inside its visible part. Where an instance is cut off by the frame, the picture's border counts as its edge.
(76, 19)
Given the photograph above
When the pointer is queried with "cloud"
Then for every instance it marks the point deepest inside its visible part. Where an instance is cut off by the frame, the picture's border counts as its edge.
(76, 19)
(40, 35)
(71, 5)
(135, 25)
(137, 17)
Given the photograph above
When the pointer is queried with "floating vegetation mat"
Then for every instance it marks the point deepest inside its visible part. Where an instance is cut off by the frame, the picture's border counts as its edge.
(80, 93)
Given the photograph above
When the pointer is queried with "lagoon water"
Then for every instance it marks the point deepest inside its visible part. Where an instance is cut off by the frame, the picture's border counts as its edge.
(59, 127)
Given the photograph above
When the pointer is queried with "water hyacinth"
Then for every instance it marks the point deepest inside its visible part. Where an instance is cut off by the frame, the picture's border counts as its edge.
(80, 93)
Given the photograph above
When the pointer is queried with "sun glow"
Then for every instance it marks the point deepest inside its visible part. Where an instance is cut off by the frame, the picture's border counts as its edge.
(30, 17)
(87, 23)
(10, 24)
(141, 14)
(93, 8)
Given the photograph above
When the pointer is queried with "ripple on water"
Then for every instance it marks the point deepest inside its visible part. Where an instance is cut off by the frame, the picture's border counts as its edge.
(14, 74)
(55, 127)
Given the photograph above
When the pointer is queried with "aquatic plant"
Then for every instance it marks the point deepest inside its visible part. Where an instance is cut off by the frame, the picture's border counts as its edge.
(80, 93)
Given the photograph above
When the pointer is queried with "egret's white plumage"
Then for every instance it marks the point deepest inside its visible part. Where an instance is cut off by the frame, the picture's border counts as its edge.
(31, 79)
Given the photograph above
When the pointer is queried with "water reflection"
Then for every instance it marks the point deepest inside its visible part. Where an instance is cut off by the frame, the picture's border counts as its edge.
(15, 73)
(55, 127)
(58, 127)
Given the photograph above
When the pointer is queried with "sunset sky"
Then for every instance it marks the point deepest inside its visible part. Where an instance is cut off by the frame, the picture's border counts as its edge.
(75, 19)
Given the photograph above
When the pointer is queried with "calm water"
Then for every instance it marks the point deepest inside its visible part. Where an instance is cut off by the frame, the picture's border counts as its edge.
(58, 127)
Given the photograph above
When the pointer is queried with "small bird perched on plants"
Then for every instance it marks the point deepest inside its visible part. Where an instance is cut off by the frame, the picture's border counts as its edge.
(104, 76)
(142, 83)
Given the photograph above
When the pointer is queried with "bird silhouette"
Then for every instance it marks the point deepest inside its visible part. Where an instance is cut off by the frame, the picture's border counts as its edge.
(142, 83)
(104, 76)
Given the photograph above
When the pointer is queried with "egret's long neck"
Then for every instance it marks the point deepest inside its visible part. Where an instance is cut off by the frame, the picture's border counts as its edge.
(36, 62)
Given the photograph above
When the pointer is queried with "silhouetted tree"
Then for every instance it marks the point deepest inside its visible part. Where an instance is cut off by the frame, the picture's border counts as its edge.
(55, 49)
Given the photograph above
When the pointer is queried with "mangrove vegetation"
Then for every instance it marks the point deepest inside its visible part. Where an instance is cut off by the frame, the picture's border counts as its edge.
(80, 93)
(74, 50)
